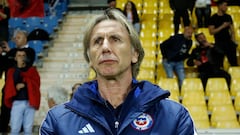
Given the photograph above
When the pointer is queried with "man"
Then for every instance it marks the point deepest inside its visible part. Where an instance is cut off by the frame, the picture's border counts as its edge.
(221, 26)
(113, 4)
(20, 39)
(180, 10)
(22, 93)
(116, 103)
(203, 56)
(174, 51)
(7, 62)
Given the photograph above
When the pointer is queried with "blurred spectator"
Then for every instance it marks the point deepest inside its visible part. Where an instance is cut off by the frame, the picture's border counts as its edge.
(174, 51)
(4, 16)
(221, 26)
(20, 39)
(203, 56)
(203, 12)
(26, 8)
(113, 4)
(130, 11)
(180, 10)
(7, 61)
(22, 93)
(5, 64)
(57, 95)
(75, 88)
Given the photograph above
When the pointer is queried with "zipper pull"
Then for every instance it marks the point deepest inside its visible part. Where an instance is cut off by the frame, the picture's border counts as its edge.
(116, 124)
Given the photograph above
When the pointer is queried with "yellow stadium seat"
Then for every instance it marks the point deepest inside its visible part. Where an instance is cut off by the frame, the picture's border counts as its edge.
(234, 71)
(150, 7)
(146, 74)
(235, 86)
(148, 24)
(218, 99)
(193, 99)
(222, 113)
(227, 124)
(121, 4)
(174, 96)
(148, 63)
(160, 71)
(202, 124)
(191, 84)
(198, 112)
(148, 34)
(170, 84)
(149, 44)
(237, 102)
(215, 84)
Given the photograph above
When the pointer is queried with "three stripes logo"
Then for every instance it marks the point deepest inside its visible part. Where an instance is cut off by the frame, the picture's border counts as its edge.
(86, 129)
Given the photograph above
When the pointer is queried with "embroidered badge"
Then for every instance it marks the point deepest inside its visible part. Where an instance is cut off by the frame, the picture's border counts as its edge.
(142, 122)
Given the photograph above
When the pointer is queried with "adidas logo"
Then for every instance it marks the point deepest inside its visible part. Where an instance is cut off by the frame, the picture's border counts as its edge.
(86, 129)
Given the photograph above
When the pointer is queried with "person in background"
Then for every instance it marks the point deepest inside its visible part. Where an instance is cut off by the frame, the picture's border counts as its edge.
(221, 26)
(174, 51)
(20, 39)
(180, 10)
(130, 11)
(4, 17)
(203, 12)
(116, 103)
(113, 4)
(56, 95)
(203, 56)
(5, 64)
(22, 93)
(75, 88)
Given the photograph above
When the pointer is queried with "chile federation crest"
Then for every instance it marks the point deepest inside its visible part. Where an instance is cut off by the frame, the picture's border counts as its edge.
(142, 122)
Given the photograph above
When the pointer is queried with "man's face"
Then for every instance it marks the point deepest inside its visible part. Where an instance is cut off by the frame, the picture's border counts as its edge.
(110, 51)
(20, 58)
(188, 33)
(112, 4)
(223, 7)
(20, 40)
(202, 39)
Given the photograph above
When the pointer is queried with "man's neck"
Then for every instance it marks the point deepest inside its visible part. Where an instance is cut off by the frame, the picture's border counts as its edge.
(115, 91)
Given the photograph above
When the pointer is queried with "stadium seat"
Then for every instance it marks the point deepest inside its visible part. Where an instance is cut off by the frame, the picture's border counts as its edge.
(233, 124)
(235, 86)
(202, 124)
(170, 84)
(148, 63)
(34, 21)
(234, 71)
(191, 84)
(198, 113)
(218, 99)
(215, 84)
(237, 102)
(52, 21)
(146, 74)
(194, 98)
(222, 113)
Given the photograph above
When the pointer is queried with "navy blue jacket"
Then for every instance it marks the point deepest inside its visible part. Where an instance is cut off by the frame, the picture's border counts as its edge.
(176, 48)
(146, 111)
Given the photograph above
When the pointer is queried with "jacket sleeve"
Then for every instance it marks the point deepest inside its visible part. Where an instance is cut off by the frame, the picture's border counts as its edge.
(185, 123)
(47, 126)
(164, 46)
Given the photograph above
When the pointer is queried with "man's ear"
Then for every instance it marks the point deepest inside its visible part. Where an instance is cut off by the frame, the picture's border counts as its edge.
(135, 57)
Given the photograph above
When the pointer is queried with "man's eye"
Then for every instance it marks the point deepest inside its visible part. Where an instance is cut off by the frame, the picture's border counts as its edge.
(98, 41)
(115, 39)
